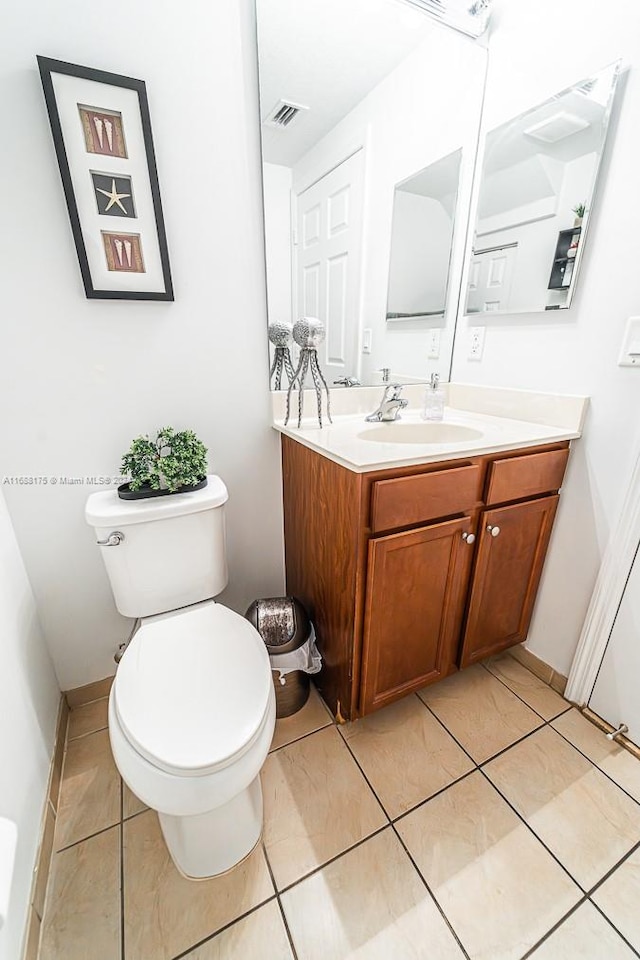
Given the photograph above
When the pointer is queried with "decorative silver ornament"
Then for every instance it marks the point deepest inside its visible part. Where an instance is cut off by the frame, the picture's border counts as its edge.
(280, 337)
(308, 333)
(280, 333)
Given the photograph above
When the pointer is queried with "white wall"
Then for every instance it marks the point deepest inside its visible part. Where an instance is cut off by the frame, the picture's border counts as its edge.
(277, 228)
(426, 108)
(29, 698)
(575, 352)
(79, 379)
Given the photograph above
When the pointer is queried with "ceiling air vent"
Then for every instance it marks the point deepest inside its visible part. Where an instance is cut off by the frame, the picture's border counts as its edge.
(283, 114)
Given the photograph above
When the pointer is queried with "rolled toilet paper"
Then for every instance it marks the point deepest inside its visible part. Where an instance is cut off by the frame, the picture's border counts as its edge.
(8, 841)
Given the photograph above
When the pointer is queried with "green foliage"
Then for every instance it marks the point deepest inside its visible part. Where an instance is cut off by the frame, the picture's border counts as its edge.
(579, 209)
(171, 461)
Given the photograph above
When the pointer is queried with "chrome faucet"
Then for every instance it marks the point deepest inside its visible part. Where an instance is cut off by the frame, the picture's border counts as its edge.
(390, 405)
(348, 382)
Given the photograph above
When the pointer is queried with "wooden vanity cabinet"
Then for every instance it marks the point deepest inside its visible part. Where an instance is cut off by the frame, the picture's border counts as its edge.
(506, 576)
(415, 592)
(385, 563)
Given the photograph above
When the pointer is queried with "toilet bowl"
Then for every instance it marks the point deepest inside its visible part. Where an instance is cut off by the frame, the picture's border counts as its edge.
(192, 706)
(191, 717)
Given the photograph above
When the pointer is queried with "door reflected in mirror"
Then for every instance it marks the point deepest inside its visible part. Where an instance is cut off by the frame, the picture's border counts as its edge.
(424, 207)
(536, 194)
(356, 97)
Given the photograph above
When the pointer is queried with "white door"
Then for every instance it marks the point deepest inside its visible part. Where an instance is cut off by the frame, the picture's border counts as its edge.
(616, 694)
(490, 278)
(328, 243)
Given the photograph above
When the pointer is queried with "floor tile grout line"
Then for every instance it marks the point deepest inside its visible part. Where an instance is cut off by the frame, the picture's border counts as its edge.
(122, 918)
(516, 694)
(612, 924)
(365, 777)
(571, 707)
(292, 945)
(439, 908)
(132, 816)
(88, 703)
(480, 763)
(321, 866)
(421, 803)
(280, 906)
(222, 929)
(516, 743)
(446, 730)
(613, 869)
(555, 927)
(303, 736)
(580, 887)
(83, 736)
(76, 843)
(87, 733)
(597, 765)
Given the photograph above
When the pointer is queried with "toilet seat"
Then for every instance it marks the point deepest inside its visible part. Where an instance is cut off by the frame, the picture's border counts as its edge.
(193, 688)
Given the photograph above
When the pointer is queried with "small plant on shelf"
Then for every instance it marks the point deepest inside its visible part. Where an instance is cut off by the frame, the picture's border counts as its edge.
(579, 210)
(174, 462)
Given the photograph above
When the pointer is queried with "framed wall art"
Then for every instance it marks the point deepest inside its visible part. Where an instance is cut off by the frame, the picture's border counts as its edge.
(102, 136)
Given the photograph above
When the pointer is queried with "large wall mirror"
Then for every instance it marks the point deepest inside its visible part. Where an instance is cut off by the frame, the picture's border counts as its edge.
(536, 193)
(370, 114)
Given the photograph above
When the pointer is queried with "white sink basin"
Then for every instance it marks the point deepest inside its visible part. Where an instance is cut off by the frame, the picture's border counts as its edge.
(435, 432)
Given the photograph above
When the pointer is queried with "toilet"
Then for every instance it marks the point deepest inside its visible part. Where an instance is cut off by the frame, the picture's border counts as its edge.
(192, 706)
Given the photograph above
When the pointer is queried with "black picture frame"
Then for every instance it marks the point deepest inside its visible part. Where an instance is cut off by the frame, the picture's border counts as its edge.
(114, 265)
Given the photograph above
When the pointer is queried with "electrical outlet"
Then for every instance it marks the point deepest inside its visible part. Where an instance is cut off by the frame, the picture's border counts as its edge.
(433, 344)
(367, 338)
(476, 343)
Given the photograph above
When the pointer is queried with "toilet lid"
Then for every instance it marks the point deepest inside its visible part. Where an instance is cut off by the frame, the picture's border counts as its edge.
(193, 688)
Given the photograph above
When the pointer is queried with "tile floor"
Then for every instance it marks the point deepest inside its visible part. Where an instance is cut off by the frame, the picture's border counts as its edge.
(483, 818)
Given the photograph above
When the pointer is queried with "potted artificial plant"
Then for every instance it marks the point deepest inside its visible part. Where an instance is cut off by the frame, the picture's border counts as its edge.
(579, 212)
(174, 462)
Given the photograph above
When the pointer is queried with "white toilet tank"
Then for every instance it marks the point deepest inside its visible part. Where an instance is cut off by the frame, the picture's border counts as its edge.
(172, 552)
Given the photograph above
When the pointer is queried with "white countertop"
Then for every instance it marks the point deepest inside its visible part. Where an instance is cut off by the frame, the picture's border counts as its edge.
(505, 420)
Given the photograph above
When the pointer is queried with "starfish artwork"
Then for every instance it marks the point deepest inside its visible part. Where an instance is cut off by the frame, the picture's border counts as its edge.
(114, 195)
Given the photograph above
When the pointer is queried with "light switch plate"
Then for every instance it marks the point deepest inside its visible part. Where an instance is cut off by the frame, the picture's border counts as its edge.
(433, 340)
(630, 351)
(367, 338)
(476, 343)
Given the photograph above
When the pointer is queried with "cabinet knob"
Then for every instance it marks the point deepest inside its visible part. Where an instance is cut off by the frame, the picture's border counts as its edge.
(494, 531)
(469, 537)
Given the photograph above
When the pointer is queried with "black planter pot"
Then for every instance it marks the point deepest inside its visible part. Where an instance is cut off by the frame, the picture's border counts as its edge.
(144, 493)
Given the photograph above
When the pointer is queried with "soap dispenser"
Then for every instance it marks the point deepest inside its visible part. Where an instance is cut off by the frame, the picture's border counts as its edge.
(433, 408)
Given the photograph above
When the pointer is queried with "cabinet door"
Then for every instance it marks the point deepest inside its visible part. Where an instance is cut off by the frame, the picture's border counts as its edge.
(415, 595)
(511, 550)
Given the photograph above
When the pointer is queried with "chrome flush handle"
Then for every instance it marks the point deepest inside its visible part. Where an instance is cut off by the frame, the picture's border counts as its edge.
(113, 540)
